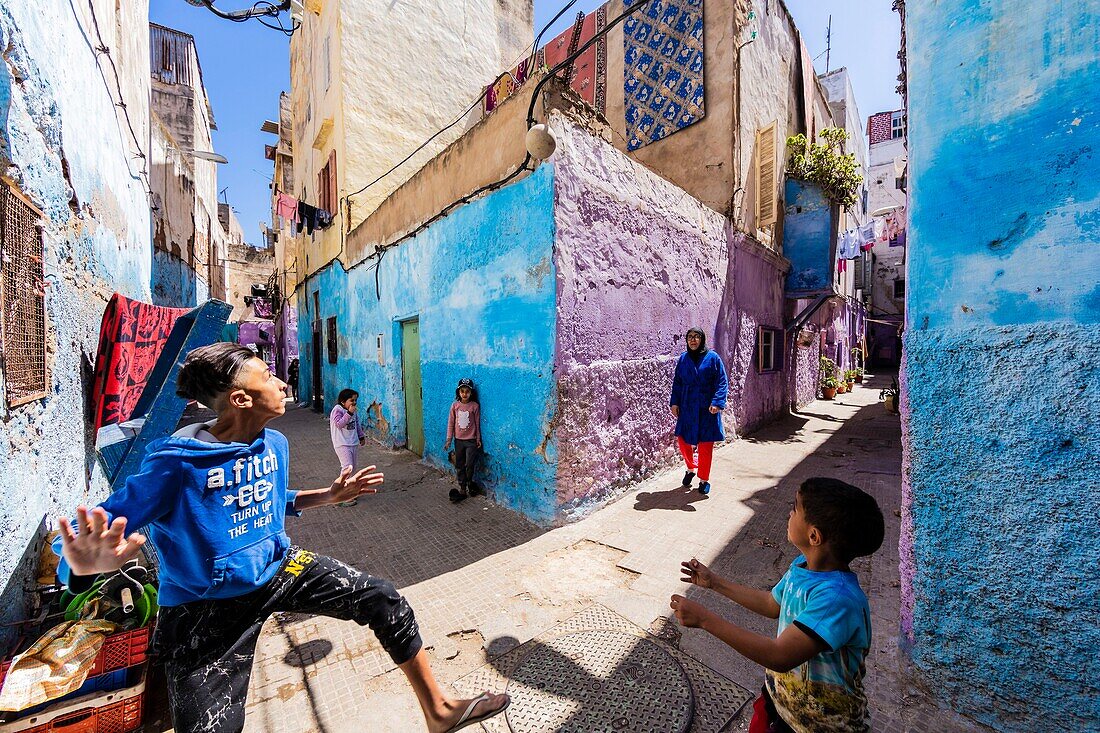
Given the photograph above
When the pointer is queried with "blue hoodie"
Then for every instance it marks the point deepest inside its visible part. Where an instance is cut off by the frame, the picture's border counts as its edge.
(213, 511)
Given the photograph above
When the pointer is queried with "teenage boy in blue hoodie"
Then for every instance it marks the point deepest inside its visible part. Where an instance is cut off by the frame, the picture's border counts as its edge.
(212, 499)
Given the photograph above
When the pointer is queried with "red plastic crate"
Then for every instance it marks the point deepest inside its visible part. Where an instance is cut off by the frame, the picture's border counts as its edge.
(121, 711)
(119, 651)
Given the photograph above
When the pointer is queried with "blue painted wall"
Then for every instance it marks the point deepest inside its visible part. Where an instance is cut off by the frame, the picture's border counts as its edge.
(65, 144)
(481, 281)
(1000, 372)
(174, 283)
(809, 233)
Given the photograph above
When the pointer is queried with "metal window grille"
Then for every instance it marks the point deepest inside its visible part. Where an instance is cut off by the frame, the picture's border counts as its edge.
(22, 294)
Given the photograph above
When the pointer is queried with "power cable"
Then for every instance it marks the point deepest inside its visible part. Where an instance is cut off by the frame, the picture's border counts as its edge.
(565, 63)
(380, 250)
(534, 51)
(259, 10)
(102, 49)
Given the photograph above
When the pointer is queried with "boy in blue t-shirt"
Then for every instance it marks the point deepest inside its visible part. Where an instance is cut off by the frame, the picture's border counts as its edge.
(212, 499)
(815, 664)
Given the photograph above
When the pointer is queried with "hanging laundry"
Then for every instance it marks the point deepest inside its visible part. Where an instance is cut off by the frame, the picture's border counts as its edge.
(312, 218)
(848, 245)
(867, 235)
(286, 206)
(307, 217)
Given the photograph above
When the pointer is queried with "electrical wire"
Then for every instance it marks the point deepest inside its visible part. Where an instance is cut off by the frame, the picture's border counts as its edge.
(258, 11)
(346, 200)
(634, 7)
(380, 250)
(565, 63)
(103, 50)
(538, 38)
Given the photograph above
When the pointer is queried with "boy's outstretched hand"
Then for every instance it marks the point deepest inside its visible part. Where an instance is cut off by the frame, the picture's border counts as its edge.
(688, 613)
(96, 547)
(348, 486)
(694, 572)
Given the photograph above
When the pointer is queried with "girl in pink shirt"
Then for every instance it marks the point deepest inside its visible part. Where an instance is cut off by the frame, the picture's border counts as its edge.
(464, 425)
(347, 432)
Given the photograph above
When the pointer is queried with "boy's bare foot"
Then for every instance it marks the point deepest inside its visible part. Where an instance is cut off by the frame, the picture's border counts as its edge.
(456, 714)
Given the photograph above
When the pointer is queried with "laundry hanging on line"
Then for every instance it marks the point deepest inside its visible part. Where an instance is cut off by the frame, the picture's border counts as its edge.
(312, 218)
(286, 206)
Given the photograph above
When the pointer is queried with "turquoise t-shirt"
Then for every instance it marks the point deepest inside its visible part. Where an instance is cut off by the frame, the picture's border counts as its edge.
(825, 694)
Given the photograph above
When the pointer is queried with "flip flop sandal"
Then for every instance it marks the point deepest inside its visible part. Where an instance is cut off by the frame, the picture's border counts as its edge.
(455, 496)
(468, 718)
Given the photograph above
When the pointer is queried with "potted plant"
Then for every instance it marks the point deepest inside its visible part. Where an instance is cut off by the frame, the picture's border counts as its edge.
(850, 378)
(827, 377)
(826, 164)
(889, 396)
(841, 386)
(859, 375)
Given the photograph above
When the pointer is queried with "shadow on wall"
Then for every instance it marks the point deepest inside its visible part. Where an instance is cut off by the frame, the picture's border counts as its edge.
(17, 598)
(172, 282)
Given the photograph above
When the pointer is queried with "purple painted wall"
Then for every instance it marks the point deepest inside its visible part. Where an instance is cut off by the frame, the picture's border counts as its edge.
(638, 262)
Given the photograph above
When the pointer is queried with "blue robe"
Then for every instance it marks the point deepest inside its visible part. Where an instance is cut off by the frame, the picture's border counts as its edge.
(694, 390)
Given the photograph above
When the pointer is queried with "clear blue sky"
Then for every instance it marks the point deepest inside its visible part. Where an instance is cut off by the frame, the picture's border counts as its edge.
(245, 66)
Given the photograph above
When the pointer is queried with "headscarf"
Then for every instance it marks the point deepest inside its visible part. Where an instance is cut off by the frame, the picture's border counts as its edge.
(697, 354)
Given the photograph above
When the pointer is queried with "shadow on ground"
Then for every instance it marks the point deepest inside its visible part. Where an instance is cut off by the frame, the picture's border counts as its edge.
(865, 450)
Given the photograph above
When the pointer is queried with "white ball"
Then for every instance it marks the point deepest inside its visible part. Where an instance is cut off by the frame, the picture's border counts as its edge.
(540, 142)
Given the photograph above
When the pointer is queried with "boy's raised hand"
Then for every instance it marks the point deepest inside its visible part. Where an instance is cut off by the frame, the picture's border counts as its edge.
(688, 613)
(694, 572)
(96, 546)
(347, 486)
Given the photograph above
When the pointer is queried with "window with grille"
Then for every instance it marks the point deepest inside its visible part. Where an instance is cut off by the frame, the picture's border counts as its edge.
(765, 177)
(769, 349)
(331, 329)
(23, 298)
(899, 289)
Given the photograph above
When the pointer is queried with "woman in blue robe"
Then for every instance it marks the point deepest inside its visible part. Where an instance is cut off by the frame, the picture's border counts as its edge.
(698, 398)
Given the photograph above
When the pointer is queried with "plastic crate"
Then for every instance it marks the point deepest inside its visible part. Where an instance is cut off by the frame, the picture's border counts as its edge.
(100, 683)
(119, 651)
(121, 711)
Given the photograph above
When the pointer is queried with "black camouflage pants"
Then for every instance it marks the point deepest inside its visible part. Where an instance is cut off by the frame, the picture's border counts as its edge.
(207, 646)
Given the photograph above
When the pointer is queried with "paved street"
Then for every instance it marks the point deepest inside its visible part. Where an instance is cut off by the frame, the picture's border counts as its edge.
(484, 580)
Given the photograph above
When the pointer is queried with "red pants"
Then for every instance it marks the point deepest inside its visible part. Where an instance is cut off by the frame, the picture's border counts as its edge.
(706, 451)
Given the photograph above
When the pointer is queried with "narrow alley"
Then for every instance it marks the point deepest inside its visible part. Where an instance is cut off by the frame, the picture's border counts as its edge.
(485, 582)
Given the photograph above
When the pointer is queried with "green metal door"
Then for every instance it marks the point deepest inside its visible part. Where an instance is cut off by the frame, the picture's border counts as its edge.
(410, 377)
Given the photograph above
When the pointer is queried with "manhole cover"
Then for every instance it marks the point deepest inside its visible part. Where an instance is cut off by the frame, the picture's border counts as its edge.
(599, 682)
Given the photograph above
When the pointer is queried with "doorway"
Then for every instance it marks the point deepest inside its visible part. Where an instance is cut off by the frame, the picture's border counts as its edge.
(318, 393)
(410, 381)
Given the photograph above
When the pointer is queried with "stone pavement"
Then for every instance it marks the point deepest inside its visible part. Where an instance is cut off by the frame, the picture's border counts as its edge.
(484, 580)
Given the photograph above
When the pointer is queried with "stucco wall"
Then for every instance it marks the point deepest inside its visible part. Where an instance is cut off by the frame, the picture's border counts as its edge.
(638, 262)
(66, 144)
(481, 282)
(1000, 538)
(399, 73)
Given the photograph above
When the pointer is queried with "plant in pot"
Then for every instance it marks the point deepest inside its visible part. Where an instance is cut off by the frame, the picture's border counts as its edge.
(827, 377)
(841, 386)
(859, 375)
(826, 164)
(850, 378)
(889, 396)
